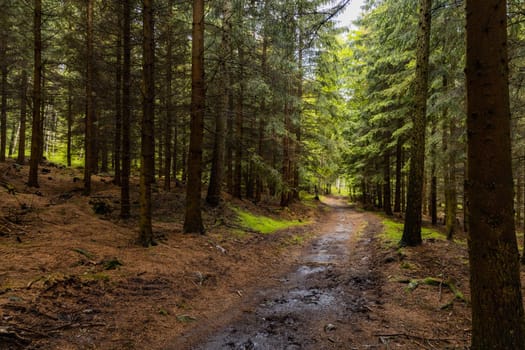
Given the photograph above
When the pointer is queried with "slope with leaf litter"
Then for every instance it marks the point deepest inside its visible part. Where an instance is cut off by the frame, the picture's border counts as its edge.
(74, 279)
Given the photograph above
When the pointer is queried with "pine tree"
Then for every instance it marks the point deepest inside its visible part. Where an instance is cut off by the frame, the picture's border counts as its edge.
(147, 171)
(193, 217)
(497, 308)
(36, 132)
(412, 228)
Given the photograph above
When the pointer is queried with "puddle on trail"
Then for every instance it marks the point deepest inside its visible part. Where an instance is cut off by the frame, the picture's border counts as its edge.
(310, 296)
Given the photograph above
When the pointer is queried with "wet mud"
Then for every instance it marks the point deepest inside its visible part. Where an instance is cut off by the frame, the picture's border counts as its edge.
(313, 306)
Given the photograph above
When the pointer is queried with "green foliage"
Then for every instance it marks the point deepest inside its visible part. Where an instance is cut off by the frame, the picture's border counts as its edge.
(264, 224)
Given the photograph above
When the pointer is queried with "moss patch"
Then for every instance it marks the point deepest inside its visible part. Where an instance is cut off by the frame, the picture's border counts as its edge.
(264, 224)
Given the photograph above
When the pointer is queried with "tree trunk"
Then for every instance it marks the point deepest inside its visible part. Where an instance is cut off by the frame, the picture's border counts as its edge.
(147, 164)
(412, 228)
(239, 121)
(15, 129)
(118, 107)
(217, 169)
(41, 128)
(193, 218)
(519, 190)
(298, 113)
(21, 159)
(497, 308)
(161, 137)
(36, 132)
(399, 166)
(449, 174)
(104, 153)
(3, 92)
(229, 147)
(465, 203)
(451, 200)
(433, 180)
(168, 126)
(184, 154)
(387, 205)
(90, 103)
(125, 206)
(286, 190)
(262, 125)
(424, 201)
(379, 195)
(175, 150)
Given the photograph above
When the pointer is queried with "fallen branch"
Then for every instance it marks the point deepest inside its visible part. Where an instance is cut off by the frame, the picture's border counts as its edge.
(413, 336)
(12, 335)
(30, 284)
(74, 325)
(439, 282)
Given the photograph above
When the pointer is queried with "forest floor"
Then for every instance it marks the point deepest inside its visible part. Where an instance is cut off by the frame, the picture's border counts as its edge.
(74, 279)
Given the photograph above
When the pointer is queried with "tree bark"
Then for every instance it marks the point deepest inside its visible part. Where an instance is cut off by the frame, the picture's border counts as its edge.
(104, 152)
(125, 206)
(168, 126)
(262, 123)
(69, 125)
(387, 205)
(217, 168)
(399, 166)
(519, 190)
(21, 159)
(285, 174)
(239, 126)
(433, 180)
(184, 153)
(412, 228)
(118, 107)
(175, 167)
(497, 308)
(147, 164)
(36, 133)
(229, 145)
(193, 217)
(449, 173)
(466, 212)
(298, 113)
(3, 91)
(90, 102)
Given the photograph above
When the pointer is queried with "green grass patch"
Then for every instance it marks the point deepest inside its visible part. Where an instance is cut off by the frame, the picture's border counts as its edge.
(264, 224)
(393, 231)
(306, 196)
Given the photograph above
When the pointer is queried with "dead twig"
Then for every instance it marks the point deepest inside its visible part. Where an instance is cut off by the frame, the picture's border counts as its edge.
(413, 336)
(74, 325)
(12, 334)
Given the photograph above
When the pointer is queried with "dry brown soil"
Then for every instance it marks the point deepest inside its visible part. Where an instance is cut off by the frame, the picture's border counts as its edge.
(74, 279)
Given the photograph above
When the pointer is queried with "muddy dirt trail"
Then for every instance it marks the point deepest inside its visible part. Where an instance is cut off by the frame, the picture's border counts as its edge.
(315, 305)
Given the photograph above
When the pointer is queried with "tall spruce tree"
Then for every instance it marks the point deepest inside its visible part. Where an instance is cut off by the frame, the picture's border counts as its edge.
(497, 307)
(193, 216)
(412, 228)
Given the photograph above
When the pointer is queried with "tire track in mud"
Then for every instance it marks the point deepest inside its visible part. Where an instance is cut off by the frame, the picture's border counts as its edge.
(313, 307)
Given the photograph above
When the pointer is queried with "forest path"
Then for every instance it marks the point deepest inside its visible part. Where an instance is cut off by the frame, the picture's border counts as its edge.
(314, 306)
